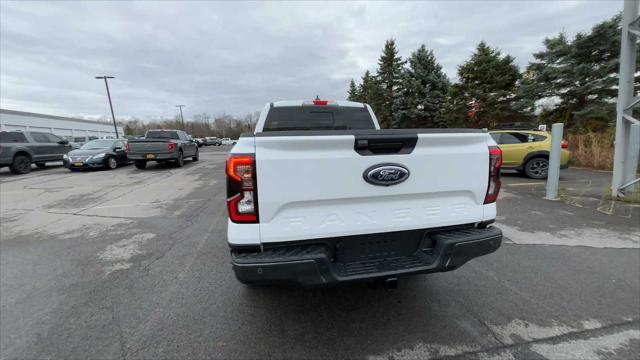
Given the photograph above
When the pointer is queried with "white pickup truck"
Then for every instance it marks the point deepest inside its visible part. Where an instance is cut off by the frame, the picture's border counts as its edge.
(320, 195)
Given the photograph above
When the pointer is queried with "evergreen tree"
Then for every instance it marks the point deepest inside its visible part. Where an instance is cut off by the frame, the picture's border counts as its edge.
(353, 92)
(421, 97)
(580, 74)
(486, 90)
(388, 79)
(539, 75)
(370, 92)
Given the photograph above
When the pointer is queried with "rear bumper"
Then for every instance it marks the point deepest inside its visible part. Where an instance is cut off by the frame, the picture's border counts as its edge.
(93, 164)
(157, 156)
(324, 264)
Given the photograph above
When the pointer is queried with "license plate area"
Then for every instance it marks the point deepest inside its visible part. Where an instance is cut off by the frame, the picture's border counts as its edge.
(151, 156)
(378, 246)
(77, 164)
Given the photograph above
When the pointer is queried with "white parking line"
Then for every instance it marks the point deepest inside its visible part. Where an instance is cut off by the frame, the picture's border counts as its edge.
(526, 184)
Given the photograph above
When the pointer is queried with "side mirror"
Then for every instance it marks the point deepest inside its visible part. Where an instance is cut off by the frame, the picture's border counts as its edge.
(117, 148)
(63, 142)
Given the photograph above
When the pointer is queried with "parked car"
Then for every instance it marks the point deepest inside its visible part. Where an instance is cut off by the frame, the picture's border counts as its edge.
(162, 146)
(337, 200)
(228, 141)
(20, 149)
(199, 142)
(103, 153)
(527, 151)
(76, 141)
(212, 141)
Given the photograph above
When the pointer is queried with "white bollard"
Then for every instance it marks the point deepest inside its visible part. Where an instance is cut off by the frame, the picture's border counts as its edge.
(553, 174)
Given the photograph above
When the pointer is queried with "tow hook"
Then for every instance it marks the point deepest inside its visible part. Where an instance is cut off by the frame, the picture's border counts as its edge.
(389, 283)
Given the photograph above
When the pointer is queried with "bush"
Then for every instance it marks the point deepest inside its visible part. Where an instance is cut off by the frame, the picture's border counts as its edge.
(592, 150)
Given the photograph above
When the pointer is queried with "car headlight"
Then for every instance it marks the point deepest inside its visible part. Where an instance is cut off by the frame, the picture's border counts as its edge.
(98, 156)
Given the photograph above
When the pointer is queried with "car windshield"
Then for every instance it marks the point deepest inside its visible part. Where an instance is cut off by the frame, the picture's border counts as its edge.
(97, 144)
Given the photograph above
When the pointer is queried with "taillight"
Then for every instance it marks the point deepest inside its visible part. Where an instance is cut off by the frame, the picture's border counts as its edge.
(171, 146)
(495, 161)
(564, 144)
(242, 196)
(320, 102)
(126, 147)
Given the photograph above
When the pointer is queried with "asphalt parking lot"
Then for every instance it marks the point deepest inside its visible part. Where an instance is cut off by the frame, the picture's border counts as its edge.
(134, 264)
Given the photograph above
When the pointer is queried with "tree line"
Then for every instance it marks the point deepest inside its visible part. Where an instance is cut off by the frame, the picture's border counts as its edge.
(573, 81)
(201, 125)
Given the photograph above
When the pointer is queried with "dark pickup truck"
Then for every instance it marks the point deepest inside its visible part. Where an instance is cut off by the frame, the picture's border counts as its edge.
(162, 146)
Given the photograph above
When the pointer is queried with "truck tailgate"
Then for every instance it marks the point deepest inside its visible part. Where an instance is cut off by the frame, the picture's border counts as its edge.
(149, 146)
(314, 187)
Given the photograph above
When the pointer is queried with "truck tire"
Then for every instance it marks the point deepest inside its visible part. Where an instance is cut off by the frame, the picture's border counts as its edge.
(41, 165)
(140, 164)
(537, 168)
(21, 164)
(180, 159)
(196, 157)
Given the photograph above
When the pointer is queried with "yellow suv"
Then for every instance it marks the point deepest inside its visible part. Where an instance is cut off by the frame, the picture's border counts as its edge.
(528, 151)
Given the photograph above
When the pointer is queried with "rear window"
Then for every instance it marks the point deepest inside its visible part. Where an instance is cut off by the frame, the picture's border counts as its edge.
(163, 135)
(12, 137)
(317, 118)
(513, 138)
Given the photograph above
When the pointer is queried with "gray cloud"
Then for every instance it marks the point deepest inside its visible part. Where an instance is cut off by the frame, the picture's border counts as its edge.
(234, 57)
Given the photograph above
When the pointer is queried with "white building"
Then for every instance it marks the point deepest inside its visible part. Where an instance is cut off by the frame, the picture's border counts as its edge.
(61, 126)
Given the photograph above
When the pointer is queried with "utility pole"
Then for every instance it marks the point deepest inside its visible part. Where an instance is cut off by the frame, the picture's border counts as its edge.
(113, 116)
(181, 117)
(627, 143)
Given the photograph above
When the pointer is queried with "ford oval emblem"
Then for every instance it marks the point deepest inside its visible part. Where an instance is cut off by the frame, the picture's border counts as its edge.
(386, 174)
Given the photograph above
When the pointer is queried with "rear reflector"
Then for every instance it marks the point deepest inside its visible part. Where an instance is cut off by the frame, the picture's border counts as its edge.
(242, 197)
(495, 162)
(242, 208)
(564, 144)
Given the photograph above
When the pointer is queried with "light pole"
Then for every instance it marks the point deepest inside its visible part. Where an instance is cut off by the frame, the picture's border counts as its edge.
(181, 117)
(106, 84)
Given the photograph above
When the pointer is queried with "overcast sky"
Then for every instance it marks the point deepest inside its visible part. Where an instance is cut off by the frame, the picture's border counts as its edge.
(234, 57)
